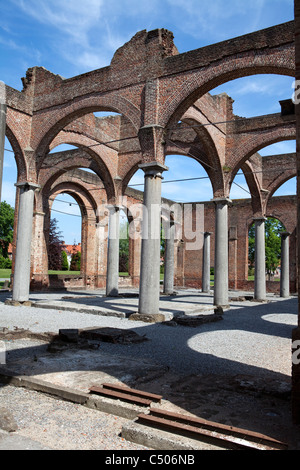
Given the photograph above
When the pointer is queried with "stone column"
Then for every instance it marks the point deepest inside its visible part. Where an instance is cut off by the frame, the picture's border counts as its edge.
(21, 279)
(221, 253)
(285, 264)
(150, 250)
(2, 140)
(260, 260)
(206, 263)
(112, 276)
(169, 259)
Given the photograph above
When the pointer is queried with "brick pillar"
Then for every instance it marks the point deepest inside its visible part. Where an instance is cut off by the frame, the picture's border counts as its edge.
(232, 255)
(39, 263)
(101, 235)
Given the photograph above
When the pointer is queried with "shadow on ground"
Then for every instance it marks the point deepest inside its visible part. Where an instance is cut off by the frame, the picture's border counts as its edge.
(233, 384)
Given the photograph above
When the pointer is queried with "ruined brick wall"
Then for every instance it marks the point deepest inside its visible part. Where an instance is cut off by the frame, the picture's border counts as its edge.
(240, 218)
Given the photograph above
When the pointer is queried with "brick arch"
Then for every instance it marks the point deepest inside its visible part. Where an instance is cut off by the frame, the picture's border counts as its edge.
(106, 157)
(130, 171)
(77, 159)
(18, 154)
(285, 211)
(279, 61)
(253, 185)
(283, 179)
(52, 122)
(258, 141)
(77, 191)
(203, 150)
(88, 209)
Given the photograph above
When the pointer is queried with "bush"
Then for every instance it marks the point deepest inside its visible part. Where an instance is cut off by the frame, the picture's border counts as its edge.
(76, 262)
(5, 263)
(64, 261)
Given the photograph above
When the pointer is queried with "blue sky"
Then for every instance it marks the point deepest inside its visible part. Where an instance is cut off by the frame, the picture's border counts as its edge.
(71, 37)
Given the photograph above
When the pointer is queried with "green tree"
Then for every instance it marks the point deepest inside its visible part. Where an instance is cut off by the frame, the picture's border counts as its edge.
(64, 261)
(273, 244)
(7, 214)
(124, 248)
(55, 246)
(273, 228)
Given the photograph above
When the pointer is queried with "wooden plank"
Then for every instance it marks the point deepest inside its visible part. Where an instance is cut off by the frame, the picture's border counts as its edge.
(121, 396)
(132, 391)
(211, 436)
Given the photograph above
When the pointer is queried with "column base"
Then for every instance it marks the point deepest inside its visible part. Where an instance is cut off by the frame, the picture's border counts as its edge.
(169, 293)
(18, 303)
(112, 293)
(219, 309)
(150, 317)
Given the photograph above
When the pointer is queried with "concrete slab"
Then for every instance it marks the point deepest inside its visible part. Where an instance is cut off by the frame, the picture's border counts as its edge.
(125, 305)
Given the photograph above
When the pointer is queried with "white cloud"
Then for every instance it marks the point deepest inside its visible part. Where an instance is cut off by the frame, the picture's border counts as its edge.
(72, 17)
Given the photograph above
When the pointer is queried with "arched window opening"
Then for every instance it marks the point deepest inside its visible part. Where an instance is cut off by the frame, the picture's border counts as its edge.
(239, 188)
(257, 95)
(9, 179)
(273, 228)
(64, 235)
(62, 148)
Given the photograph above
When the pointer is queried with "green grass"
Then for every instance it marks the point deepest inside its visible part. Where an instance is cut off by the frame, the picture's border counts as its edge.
(5, 273)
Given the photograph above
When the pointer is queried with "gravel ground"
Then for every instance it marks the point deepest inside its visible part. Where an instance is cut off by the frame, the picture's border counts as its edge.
(251, 339)
(60, 425)
(243, 342)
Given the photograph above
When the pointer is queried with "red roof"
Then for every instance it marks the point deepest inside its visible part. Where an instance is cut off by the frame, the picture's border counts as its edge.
(71, 248)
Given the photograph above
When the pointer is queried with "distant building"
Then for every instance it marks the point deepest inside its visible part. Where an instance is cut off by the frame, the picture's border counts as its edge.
(70, 250)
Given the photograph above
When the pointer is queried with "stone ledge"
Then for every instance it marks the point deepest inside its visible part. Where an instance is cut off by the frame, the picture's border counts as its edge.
(106, 405)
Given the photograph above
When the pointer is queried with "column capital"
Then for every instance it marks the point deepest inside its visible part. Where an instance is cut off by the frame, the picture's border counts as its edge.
(222, 200)
(28, 184)
(151, 126)
(260, 218)
(114, 207)
(153, 168)
(285, 234)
